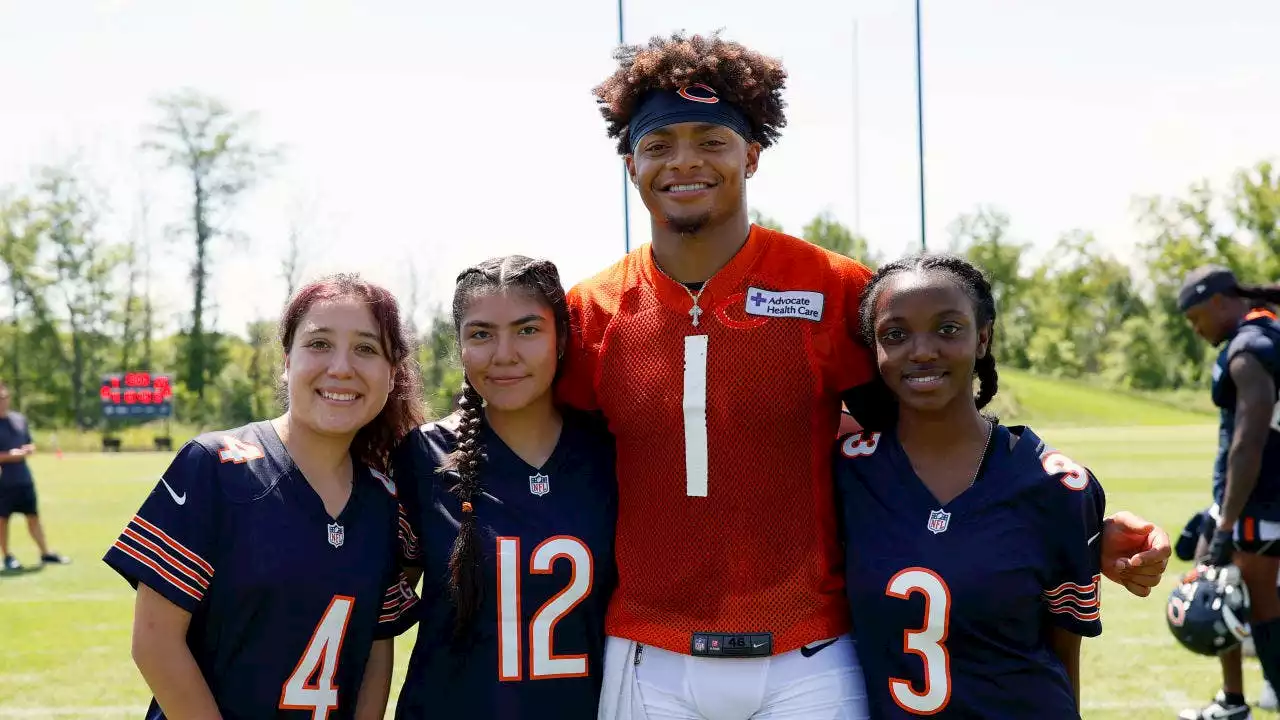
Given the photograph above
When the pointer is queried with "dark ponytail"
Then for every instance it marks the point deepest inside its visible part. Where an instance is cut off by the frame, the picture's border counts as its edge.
(541, 280)
(466, 578)
(1267, 294)
(970, 278)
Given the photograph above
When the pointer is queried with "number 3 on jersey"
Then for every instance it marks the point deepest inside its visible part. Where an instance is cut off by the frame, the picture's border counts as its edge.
(927, 641)
(321, 654)
(544, 664)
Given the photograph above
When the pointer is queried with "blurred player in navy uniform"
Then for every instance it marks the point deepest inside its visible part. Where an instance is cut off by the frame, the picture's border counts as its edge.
(17, 487)
(1245, 516)
(972, 549)
(267, 557)
(513, 502)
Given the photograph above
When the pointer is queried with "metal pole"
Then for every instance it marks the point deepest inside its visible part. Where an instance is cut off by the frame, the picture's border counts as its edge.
(626, 193)
(924, 246)
(857, 142)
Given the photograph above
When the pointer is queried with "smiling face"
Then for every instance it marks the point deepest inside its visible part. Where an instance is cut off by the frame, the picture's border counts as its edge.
(928, 340)
(509, 348)
(692, 175)
(337, 371)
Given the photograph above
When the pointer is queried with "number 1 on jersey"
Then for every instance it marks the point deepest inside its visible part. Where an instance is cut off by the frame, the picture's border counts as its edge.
(695, 415)
(543, 662)
(322, 655)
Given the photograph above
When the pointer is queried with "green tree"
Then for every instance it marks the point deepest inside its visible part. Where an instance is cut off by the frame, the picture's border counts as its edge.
(982, 237)
(827, 232)
(764, 221)
(211, 145)
(84, 263)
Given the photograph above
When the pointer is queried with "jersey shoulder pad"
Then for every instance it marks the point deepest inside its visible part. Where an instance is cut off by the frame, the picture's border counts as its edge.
(602, 292)
(248, 463)
(1256, 339)
(1048, 463)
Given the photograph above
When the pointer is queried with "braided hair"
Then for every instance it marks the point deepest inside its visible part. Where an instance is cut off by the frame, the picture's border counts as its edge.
(539, 279)
(879, 408)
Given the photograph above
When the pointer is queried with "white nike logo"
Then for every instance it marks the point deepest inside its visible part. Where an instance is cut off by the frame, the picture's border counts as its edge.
(756, 645)
(1095, 537)
(180, 499)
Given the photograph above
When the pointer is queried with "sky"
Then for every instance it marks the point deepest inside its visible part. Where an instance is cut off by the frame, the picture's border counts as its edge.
(420, 137)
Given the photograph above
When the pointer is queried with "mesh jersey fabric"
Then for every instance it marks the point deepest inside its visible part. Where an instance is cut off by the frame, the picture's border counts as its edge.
(758, 553)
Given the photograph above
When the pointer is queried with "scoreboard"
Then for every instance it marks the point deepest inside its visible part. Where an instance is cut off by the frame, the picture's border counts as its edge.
(136, 395)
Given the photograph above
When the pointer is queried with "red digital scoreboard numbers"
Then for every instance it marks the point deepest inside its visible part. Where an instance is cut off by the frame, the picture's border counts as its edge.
(136, 394)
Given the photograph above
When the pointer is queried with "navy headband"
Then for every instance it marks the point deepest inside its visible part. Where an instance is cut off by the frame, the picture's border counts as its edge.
(1203, 284)
(691, 103)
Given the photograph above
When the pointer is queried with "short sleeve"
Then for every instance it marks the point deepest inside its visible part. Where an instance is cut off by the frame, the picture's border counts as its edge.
(399, 603)
(408, 478)
(169, 543)
(576, 386)
(26, 432)
(1074, 523)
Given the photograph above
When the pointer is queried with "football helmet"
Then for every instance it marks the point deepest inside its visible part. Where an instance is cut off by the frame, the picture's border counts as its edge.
(1209, 610)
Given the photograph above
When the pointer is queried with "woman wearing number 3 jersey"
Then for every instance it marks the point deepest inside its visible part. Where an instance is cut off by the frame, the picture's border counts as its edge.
(972, 550)
(512, 503)
(266, 557)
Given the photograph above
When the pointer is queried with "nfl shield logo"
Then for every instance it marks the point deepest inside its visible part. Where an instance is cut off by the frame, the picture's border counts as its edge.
(539, 484)
(700, 645)
(938, 521)
(336, 534)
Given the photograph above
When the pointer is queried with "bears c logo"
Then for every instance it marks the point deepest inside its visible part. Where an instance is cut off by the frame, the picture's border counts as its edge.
(705, 94)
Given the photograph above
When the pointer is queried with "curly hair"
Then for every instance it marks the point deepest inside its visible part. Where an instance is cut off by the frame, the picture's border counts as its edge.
(747, 78)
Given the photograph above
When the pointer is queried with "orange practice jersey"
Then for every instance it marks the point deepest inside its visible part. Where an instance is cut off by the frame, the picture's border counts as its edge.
(726, 520)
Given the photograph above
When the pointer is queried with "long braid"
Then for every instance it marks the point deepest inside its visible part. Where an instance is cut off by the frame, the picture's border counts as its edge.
(541, 280)
(466, 583)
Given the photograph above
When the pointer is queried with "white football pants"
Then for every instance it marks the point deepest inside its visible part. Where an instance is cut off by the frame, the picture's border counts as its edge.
(662, 685)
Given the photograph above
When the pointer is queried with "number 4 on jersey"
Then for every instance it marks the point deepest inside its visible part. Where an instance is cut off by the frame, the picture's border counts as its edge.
(319, 660)
(544, 664)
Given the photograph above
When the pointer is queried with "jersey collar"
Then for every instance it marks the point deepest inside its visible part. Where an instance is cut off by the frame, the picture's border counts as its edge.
(720, 288)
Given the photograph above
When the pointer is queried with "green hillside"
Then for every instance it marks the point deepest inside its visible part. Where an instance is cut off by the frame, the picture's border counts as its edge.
(1053, 402)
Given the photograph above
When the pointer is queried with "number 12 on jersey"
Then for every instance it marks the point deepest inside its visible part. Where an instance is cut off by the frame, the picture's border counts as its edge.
(544, 664)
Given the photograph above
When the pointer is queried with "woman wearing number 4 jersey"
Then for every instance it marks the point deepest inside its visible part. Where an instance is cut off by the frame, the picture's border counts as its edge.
(972, 557)
(266, 558)
(513, 505)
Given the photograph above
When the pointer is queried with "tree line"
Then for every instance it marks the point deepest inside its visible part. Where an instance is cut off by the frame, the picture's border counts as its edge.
(80, 304)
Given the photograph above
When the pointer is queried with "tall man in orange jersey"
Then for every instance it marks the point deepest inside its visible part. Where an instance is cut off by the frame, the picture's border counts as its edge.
(719, 355)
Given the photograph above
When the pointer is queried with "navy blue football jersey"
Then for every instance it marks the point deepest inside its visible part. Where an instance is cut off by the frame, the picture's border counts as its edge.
(951, 603)
(285, 600)
(536, 647)
(1258, 334)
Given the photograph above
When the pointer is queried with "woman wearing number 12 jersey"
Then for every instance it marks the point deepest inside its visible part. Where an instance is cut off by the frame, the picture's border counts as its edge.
(266, 558)
(972, 550)
(512, 504)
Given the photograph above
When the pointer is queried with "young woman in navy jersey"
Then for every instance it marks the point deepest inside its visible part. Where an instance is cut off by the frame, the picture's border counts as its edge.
(511, 503)
(266, 557)
(972, 548)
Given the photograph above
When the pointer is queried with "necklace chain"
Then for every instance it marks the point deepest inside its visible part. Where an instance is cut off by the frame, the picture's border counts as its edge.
(986, 445)
(695, 312)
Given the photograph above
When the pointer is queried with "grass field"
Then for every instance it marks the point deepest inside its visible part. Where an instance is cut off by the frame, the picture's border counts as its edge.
(64, 631)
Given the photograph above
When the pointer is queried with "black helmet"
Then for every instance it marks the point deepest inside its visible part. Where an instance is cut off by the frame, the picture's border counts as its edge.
(1209, 611)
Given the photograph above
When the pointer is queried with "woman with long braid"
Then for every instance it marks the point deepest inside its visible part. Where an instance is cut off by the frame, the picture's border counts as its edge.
(972, 549)
(512, 502)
